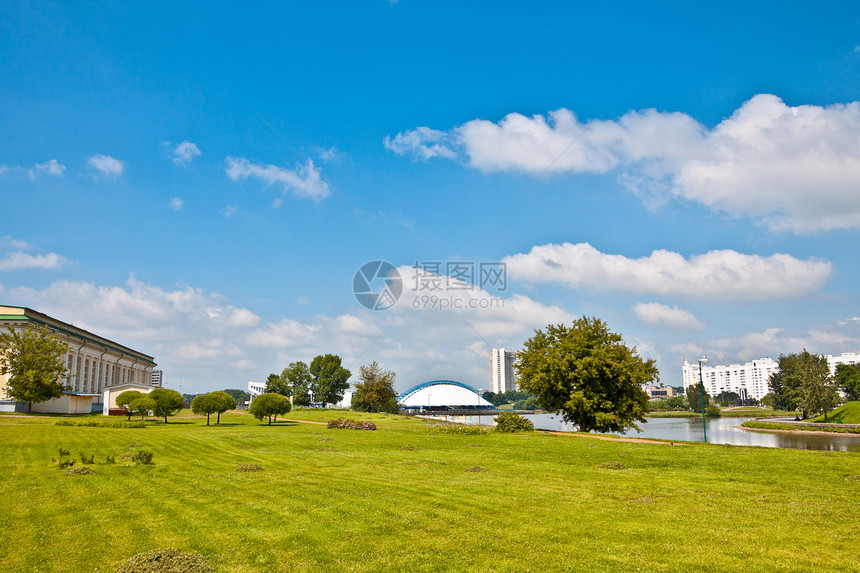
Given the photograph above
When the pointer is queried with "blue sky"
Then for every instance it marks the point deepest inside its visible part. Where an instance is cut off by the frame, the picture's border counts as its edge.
(202, 182)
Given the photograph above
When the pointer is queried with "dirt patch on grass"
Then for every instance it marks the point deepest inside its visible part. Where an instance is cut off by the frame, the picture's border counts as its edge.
(612, 466)
(476, 469)
(166, 561)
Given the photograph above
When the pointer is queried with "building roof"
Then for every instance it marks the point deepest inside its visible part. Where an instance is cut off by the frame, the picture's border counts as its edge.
(10, 313)
(437, 393)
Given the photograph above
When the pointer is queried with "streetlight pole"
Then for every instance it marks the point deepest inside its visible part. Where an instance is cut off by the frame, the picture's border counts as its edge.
(703, 360)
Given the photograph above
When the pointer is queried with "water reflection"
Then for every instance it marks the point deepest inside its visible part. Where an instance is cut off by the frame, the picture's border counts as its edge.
(720, 431)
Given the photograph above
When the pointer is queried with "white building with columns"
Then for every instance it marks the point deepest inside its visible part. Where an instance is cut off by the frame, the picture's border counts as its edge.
(93, 363)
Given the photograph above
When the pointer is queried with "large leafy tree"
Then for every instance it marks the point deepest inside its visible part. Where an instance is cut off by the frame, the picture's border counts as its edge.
(374, 392)
(803, 382)
(586, 373)
(124, 400)
(269, 405)
(298, 378)
(328, 379)
(167, 402)
(32, 359)
(848, 378)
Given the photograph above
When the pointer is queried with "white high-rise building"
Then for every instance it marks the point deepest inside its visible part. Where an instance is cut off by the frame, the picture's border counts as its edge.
(749, 380)
(503, 376)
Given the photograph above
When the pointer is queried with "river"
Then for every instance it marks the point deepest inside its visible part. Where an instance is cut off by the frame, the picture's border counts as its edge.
(720, 431)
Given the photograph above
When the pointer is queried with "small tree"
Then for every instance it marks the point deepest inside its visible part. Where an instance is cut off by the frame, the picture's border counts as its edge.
(694, 398)
(124, 399)
(298, 378)
(141, 406)
(240, 396)
(588, 374)
(166, 402)
(848, 379)
(269, 405)
(32, 359)
(203, 404)
(328, 379)
(375, 390)
(222, 402)
(278, 385)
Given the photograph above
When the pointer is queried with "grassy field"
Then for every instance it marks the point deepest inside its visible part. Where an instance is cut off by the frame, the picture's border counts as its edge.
(403, 499)
(848, 413)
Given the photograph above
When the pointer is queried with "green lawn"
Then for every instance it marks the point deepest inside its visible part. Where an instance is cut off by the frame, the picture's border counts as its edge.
(401, 499)
(848, 413)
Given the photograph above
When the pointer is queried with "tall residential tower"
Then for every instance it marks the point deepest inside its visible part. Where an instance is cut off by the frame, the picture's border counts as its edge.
(503, 376)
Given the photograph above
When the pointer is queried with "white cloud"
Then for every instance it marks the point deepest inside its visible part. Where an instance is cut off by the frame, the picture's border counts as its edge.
(184, 153)
(19, 261)
(657, 314)
(791, 168)
(52, 168)
(304, 182)
(719, 275)
(423, 143)
(176, 203)
(229, 210)
(106, 165)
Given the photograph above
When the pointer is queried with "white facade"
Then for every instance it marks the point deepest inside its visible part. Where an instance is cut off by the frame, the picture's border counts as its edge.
(749, 380)
(157, 378)
(503, 376)
(256, 388)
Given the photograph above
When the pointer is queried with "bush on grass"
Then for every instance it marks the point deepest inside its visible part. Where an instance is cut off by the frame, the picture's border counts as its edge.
(87, 460)
(349, 424)
(510, 422)
(61, 463)
(463, 429)
(79, 471)
(166, 561)
(713, 411)
(143, 457)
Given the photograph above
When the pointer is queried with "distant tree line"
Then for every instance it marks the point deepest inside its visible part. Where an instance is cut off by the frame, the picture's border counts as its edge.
(519, 400)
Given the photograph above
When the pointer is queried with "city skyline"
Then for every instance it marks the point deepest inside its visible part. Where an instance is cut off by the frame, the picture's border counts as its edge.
(206, 184)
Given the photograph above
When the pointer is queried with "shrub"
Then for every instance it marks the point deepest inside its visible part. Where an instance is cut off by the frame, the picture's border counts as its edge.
(713, 411)
(348, 424)
(509, 422)
(143, 457)
(110, 460)
(79, 471)
(468, 430)
(87, 460)
(249, 468)
(61, 463)
(165, 561)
